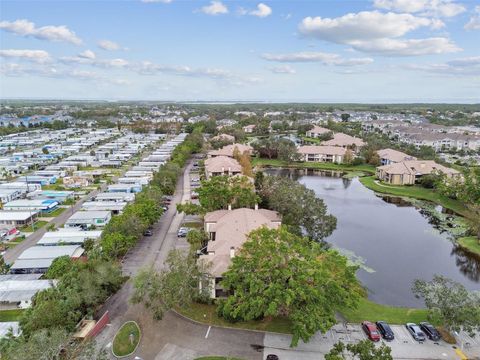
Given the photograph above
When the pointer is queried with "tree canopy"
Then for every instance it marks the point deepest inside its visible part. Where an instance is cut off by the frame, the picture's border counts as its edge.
(450, 303)
(176, 285)
(277, 273)
(363, 350)
(300, 208)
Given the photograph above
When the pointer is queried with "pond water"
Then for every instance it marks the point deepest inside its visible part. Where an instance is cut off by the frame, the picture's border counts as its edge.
(394, 242)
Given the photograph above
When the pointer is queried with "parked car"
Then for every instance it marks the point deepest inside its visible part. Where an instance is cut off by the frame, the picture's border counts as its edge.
(194, 195)
(148, 233)
(385, 330)
(165, 208)
(430, 331)
(183, 231)
(415, 331)
(272, 357)
(371, 330)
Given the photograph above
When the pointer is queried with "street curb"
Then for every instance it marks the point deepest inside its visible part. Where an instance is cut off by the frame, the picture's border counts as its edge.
(226, 327)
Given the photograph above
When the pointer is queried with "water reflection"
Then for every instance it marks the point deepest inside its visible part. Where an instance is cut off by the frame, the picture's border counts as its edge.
(393, 241)
(468, 263)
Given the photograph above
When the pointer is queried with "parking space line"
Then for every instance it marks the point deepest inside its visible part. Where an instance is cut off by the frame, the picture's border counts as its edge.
(461, 354)
(208, 332)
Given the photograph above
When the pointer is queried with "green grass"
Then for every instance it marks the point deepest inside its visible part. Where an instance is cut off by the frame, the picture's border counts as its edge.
(470, 243)
(193, 224)
(415, 191)
(122, 346)
(368, 310)
(313, 165)
(11, 315)
(37, 225)
(55, 212)
(206, 314)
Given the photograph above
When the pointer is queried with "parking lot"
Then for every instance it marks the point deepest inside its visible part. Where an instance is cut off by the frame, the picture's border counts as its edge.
(403, 346)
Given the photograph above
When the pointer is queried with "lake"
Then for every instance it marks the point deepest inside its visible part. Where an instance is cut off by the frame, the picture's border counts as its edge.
(393, 240)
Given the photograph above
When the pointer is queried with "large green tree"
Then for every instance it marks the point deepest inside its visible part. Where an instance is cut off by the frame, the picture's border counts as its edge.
(176, 285)
(221, 191)
(363, 350)
(301, 209)
(277, 273)
(450, 303)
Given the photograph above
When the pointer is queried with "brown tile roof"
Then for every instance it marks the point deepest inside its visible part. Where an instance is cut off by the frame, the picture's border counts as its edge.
(394, 155)
(321, 149)
(231, 228)
(417, 167)
(221, 164)
(229, 149)
(341, 139)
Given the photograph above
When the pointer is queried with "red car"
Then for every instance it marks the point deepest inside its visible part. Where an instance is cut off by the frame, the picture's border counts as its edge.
(371, 330)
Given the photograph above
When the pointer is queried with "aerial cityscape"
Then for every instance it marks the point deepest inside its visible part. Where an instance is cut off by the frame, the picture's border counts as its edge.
(236, 180)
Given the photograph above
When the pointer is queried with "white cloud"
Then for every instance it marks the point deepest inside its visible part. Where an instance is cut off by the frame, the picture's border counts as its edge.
(324, 58)
(51, 33)
(378, 33)
(469, 66)
(108, 45)
(283, 69)
(441, 8)
(215, 8)
(410, 47)
(31, 55)
(93, 61)
(474, 22)
(261, 11)
(87, 54)
(365, 25)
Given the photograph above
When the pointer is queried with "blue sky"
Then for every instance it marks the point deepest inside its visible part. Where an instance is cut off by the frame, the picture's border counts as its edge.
(302, 50)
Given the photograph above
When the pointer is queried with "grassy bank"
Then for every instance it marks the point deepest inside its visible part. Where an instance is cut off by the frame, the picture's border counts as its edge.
(368, 310)
(311, 165)
(11, 315)
(206, 314)
(470, 243)
(416, 192)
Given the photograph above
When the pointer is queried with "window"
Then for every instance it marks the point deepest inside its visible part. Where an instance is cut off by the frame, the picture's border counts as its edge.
(212, 236)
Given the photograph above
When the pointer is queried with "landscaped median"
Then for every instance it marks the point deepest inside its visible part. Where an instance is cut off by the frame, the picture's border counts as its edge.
(370, 169)
(126, 340)
(470, 243)
(414, 191)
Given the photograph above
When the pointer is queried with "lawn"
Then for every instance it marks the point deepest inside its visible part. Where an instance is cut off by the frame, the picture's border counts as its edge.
(37, 225)
(11, 315)
(314, 165)
(123, 344)
(55, 212)
(416, 192)
(368, 310)
(206, 314)
(470, 243)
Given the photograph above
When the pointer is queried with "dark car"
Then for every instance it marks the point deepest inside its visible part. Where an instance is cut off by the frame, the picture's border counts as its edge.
(415, 331)
(148, 233)
(272, 357)
(430, 331)
(371, 330)
(385, 330)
